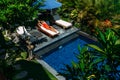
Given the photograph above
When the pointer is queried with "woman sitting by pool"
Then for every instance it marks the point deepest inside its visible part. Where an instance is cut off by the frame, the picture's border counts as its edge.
(44, 27)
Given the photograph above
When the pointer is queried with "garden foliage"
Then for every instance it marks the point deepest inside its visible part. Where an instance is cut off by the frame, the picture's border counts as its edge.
(17, 12)
(13, 13)
(101, 62)
(89, 14)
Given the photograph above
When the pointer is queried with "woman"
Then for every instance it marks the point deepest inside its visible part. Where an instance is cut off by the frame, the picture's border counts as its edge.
(45, 25)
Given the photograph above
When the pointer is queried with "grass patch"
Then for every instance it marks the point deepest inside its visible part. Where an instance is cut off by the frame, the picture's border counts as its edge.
(34, 71)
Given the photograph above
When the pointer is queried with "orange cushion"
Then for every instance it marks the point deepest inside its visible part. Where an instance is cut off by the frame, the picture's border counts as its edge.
(45, 25)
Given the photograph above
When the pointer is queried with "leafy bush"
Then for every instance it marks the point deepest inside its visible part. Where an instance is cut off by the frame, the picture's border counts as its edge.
(9, 51)
(101, 63)
(14, 13)
(90, 14)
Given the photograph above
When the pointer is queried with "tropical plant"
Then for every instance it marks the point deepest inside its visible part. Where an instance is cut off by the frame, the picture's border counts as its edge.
(65, 10)
(102, 62)
(12, 14)
(80, 70)
(108, 50)
(9, 54)
(88, 14)
(17, 12)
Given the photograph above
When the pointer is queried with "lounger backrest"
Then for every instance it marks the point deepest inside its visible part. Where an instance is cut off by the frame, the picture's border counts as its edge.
(21, 30)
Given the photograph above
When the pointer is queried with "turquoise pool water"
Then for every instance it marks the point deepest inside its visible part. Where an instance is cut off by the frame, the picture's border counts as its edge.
(65, 53)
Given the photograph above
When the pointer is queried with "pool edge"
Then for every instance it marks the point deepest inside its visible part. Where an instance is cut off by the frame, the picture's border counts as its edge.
(50, 69)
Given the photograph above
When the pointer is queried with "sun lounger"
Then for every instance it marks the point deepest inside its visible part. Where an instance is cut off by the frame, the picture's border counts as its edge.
(23, 34)
(49, 30)
(21, 30)
(61, 22)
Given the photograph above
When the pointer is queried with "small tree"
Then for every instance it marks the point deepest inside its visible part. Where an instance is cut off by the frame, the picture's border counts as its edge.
(17, 12)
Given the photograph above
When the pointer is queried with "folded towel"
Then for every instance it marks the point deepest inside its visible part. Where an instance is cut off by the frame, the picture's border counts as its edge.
(63, 23)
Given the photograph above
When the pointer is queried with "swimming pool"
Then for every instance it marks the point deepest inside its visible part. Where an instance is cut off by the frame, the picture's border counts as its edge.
(65, 53)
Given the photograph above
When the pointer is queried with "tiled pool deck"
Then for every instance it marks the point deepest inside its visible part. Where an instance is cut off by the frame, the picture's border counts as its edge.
(51, 43)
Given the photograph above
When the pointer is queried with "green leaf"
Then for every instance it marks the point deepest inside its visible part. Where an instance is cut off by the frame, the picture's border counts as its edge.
(96, 48)
(117, 42)
(79, 48)
(75, 65)
(96, 61)
(84, 49)
(107, 67)
(82, 65)
(101, 36)
(109, 35)
(24, 55)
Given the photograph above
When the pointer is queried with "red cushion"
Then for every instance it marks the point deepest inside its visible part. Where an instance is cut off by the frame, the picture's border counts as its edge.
(45, 25)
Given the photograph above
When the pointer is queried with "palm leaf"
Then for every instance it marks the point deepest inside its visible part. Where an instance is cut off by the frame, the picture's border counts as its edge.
(101, 36)
(82, 65)
(95, 62)
(96, 48)
(75, 65)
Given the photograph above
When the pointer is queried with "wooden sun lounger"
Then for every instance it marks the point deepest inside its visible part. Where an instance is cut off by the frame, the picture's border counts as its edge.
(49, 31)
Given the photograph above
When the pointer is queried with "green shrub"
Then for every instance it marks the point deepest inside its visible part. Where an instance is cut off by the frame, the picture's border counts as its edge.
(101, 62)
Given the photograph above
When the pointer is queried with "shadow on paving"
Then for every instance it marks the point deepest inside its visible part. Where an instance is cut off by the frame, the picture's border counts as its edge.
(31, 70)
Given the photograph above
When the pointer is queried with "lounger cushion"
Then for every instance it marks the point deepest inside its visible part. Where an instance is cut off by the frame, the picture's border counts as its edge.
(45, 25)
(63, 23)
(52, 33)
